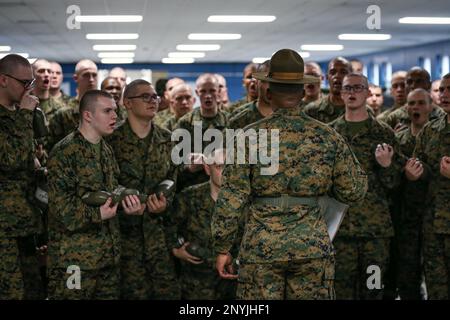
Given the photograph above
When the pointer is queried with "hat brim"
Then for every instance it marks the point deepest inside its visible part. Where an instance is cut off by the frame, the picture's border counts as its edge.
(306, 79)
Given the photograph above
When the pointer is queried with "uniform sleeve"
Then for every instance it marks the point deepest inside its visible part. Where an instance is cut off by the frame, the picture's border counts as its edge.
(233, 197)
(176, 220)
(349, 179)
(15, 153)
(64, 204)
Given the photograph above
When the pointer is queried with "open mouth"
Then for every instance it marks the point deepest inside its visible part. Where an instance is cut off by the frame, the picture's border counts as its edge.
(46, 82)
(416, 115)
(310, 86)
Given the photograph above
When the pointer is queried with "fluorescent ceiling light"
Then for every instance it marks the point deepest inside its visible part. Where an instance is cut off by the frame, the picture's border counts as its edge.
(322, 47)
(241, 18)
(425, 20)
(112, 36)
(304, 54)
(364, 36)
(198, 47)
(214, 36)
(186, 55)
(116, 54)
(25, 55)
(260, 59)
(109, 18)
(5, 48)
(117, 60)
(178, 60)
(114, 47)
(32, 60)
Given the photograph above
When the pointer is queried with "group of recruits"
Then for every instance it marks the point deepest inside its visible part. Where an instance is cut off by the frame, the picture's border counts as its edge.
(256, 236)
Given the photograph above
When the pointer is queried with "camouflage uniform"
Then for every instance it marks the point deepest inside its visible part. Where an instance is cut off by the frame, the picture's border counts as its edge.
(170, 123)
(323, 110)
(235, 105)
(433, 142)
(77, 234)
(162, 116)
(64, 98)
(220, 122)
(365, 233)
(401, 116)
(19, 221)
(63, 122)
(50, 106)
(193, 210)
(146, 266)
(287, 244)
(406, 253)
(383, 116)
(246, 116)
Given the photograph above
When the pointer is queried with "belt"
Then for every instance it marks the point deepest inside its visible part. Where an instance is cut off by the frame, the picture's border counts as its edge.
(286, 201)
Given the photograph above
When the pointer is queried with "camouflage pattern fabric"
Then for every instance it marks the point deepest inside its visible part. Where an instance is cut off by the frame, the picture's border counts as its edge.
(77, 234)
(18, 217)
(220, 122)
(50, 106)
(433, 142)
(144, 163)
(323, 110)
(162, 116)
(63, 122)
(360, 221)
(353, 257)
(383, 116)
(314, 161)
(192, 214)
(309, 279)
(98, 284)
(245, 116)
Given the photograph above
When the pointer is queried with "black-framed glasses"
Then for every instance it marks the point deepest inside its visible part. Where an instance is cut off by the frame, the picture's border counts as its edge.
(26, 83)
(147, 97)
(356, 88)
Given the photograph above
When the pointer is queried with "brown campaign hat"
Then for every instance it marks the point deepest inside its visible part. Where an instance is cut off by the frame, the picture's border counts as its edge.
(286, 66)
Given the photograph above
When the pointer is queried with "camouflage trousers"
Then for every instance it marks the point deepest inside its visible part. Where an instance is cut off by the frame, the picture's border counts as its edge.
(199, 282)
(101, 284)
(20, 276)
(11, 280)
(354, 256)
(436, 258)
(309, 279)
(151, 278)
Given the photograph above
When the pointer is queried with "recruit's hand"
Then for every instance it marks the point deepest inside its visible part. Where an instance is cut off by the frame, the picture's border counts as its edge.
(108, 212)
(196, 162)
(224, 265)
(28, 101)
(445, 167)
(384, 154)
(156, 204)
(413, 169)
(182, 254)
(132, 205)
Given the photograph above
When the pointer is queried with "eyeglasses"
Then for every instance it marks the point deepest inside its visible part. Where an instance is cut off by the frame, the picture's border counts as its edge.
(147, 97)
(356, 88)
(27, 84)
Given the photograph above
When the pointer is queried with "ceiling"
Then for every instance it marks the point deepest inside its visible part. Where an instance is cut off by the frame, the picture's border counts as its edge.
(38, 27)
